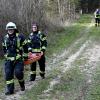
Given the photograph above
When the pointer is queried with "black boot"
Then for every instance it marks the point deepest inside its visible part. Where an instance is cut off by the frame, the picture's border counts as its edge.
(10, 89)
(23, 88)
(9, 93)
(96, 24)
(22, 85)
(42, 75)
(32, 77)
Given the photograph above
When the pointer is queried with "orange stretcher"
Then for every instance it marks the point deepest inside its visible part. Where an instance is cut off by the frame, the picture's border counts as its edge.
(33, 57)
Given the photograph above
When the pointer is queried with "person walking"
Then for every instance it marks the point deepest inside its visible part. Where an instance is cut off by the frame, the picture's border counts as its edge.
(97, 17)
(37, 43)
(15, 48)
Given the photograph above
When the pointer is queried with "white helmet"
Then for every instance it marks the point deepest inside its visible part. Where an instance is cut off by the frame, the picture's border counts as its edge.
(11, 25)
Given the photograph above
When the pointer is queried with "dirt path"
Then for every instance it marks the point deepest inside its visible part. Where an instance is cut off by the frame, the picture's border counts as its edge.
(90, 52)
(68, 61)
(18, 93)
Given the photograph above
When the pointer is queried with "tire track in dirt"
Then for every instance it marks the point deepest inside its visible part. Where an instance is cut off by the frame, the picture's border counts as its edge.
(92, 55)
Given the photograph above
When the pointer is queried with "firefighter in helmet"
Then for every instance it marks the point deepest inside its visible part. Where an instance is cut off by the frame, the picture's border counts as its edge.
(97, 17)
(15, 49)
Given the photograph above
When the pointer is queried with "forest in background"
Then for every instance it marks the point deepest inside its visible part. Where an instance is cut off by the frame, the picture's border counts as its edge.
(49, 14)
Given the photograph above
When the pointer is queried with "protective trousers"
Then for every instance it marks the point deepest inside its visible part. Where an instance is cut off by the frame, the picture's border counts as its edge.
(11, 68)
(41, 66)
(97, 21)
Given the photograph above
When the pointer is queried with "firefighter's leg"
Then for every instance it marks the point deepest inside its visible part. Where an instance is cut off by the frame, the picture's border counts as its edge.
(96, 21)
(42, 66)
(33, 71)
(19, 68)
(9, 76)
(99, 22)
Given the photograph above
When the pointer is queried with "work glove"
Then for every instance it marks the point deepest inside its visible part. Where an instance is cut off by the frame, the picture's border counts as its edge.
(43, 51)
(25, 56)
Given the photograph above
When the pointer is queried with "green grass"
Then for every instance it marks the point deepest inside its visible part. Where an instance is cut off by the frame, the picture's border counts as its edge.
(36, 91)
(68, 87)
(58, 41)
(95, 34)
(86, 18)
(94, 90)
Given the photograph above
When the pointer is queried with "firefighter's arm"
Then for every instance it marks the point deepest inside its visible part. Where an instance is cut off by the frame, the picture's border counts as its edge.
(29, 45)
(43, 42)
(25, 47)
(4, 47)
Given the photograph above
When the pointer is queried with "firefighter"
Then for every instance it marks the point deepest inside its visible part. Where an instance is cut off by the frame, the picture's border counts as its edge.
(37, 43)
(15, 48)
(97, 17)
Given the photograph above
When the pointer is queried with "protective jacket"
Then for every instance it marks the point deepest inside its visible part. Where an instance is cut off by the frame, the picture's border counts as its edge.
(14, 47)
(37, 42)
(97, 14)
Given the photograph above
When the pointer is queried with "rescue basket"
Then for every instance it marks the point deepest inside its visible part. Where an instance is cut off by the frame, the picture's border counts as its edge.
(33, 57)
